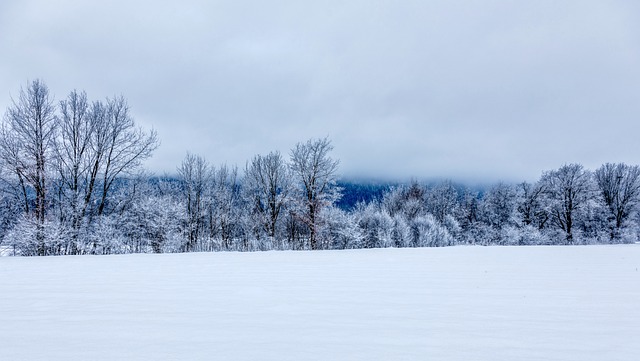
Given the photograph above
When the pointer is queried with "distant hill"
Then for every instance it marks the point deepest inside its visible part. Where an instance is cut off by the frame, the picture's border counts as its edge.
(354, 192)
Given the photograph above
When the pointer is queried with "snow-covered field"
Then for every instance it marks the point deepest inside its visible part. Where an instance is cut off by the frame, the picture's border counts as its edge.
(456, 303)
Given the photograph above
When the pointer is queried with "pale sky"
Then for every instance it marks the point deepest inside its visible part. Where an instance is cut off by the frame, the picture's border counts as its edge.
(467, 90)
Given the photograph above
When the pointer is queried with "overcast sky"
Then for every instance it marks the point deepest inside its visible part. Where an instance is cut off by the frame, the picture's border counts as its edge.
(468, 90)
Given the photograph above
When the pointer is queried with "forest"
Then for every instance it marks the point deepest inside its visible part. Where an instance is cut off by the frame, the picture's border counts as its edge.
(72, 182)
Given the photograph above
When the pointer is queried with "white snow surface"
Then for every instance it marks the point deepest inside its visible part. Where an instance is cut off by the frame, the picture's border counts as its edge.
(456, 303)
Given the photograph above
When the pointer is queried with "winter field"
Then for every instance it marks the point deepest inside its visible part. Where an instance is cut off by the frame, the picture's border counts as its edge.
(455, 303)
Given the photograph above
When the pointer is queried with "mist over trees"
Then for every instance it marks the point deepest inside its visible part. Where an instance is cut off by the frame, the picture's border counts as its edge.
(72, 182)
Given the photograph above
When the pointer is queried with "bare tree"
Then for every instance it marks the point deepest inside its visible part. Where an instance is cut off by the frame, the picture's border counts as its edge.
(96, 144)
(13, 166)
(196, 176)
(122, 145)
(65, 162)
(442, 200)
(316, 173)
(30, 124)
(408, 201)
(619, 187)
(268, 183)
(226, 206)
(72, 150)
(568, 189)
(500, 205)
(530, 207)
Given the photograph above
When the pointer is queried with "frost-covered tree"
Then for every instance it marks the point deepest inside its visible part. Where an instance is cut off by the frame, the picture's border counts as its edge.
(376, 226)
(530, 204)
(29, 237)
(408, 201)
(619, 189)
(106, 236)
(468, 212)
(27, 139)
(567, 189)
(315, 172)
(267, 183)
(73, 152)
(400, 233)
(124, 146)
(428, 232)
(62, 163)
(13, 170)
(442, 200)
(196, 177)
(339, 231)
(410, 221)
(151, 223)
(499, 206)
(227, 209)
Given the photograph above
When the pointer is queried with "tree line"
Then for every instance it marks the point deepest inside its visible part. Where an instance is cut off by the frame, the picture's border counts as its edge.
(73, 183)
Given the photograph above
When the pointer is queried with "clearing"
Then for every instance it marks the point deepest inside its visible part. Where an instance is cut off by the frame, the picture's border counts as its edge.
(456, 303)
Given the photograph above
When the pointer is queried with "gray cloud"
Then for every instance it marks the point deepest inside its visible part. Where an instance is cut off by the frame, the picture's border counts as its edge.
(470, 90)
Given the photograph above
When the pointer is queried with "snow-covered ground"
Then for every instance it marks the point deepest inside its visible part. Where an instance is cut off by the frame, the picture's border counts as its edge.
(456, 303)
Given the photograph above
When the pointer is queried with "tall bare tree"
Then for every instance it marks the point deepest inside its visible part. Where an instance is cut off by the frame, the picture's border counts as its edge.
(72, 148)
(268, 183)
(568, 188)
(619, 187)
(442, 200)
(13, 168)
(96, 144)
(196, 176)
(315, 171)
(123, 145)
(529, 197)
(28, 135)
(226, 206)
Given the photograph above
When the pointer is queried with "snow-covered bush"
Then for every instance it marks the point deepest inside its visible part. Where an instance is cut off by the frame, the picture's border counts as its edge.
(375, 227)
(428, 232)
